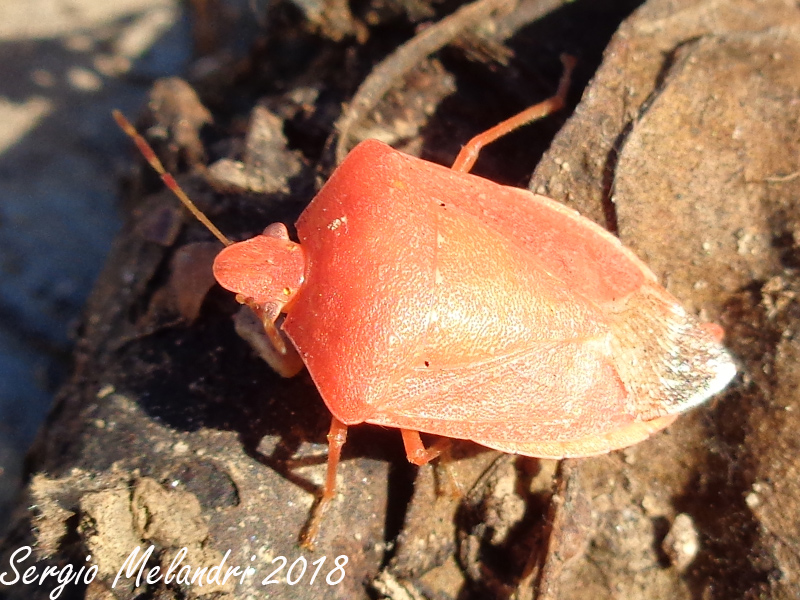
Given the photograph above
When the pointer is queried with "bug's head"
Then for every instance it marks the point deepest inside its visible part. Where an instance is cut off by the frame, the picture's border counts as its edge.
(267, 270)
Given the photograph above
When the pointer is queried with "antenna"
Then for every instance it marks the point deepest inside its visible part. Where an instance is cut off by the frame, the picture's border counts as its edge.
(169, 180)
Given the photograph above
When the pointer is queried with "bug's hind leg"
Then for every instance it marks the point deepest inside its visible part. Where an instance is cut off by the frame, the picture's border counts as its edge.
(418, 454)
(469, 153)
(337, 436)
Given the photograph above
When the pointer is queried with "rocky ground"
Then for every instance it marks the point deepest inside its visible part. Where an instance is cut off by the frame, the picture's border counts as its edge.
(65, 65)
(681, 136)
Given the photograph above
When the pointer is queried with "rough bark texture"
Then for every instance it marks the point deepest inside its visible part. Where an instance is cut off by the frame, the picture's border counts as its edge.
(172, 432)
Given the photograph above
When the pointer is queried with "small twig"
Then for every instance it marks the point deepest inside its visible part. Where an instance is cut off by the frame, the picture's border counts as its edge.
(570, 519)
(406, 57)
(783, 178)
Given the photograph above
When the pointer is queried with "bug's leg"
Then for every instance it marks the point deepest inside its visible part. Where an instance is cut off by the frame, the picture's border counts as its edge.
(267, 314)
(469, 153)
(337, 436)
(417, 453)
(251, 329)
(448, 484)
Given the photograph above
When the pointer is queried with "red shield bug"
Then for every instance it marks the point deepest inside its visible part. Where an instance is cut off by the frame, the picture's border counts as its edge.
(431, 300)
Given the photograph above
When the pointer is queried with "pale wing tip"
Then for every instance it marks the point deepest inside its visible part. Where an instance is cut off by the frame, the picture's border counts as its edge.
(721, 374)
